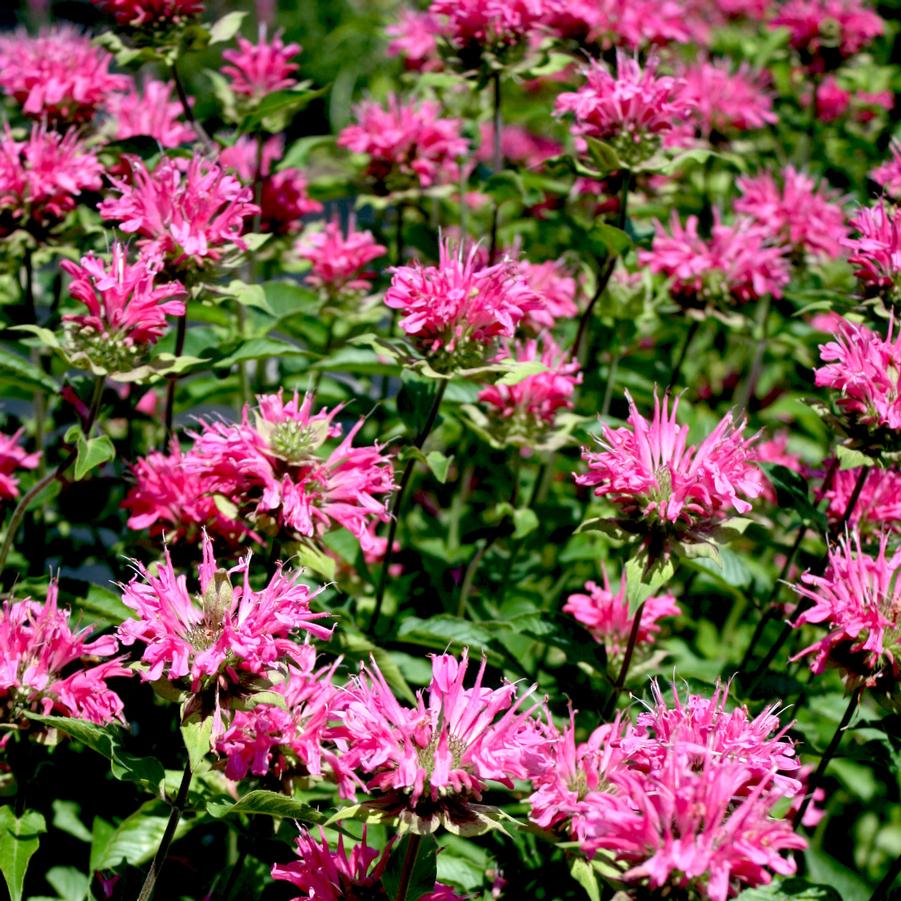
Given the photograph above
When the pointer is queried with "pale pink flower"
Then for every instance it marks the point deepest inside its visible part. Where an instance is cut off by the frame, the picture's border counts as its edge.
(221, 637)
(187, 215)
(877, 507)
(806, 217)
(433, 759)
(888, 175)
(476, 25)
(13, 457)
(138, 13)
(338, 259)
(724, 99)
(149, 111)
(406, 142)
(605, 613)
(650, 472)
(863, 368)
(414, 38)
(58, 75)
(736, 264)
(826, 31)
(37, 646)
(531, 405)
(41, 178)
(630, 110)
(858, 599)
(876, 249)
(256, 70)
(459, 309)
(272, 465)
(557, 290)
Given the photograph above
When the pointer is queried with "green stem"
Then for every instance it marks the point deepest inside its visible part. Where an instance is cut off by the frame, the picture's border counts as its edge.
(199, 130)
(498, 163)
(683, 352)
(611, 381)
(627, 660)
(412, 852)
(762, 326)
(882, 890)
(162, 851)
(469, 577)
(180, 331)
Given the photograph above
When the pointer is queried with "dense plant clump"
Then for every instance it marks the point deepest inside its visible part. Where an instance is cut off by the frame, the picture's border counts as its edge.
(449, 451)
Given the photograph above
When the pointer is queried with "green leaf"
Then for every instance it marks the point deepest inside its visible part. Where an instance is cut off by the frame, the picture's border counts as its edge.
(438, 631)
(519, 370)
(66, 819)
(642, 582)
(727, 568)
(226, 28)
(135, 839)
(316, 560)
(104, 606)
(258, 349)
(24, 373)
(18, 842)
(583, 872)
(439, 464)
(614, 239)
(604, 156)
(70, 884)
(795, 889)
(91, 452)
(792, 491)
(248, 295)
(197, 739)
(849, 458)
(268, 803)
(418, 856)
(275, 109)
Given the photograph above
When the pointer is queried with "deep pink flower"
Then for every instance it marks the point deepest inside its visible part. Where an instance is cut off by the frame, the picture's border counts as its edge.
(151, 111)
(888, 175)
(457, 310)
(476, 25)
(605, 614)
(876, 249)
(557, 290)
(272, 466)
(37, 646)
(150, 12)
(858, 599)
(832, 100)
(338, 260)
(821, 29)
(518, 145)
(406, 142)
(256, 70)
(41, 177)
(439, 755)
(736, 264)
(650, 471)
(725, 100)
(13, 457)
(58, 75)
(189, 215)
(414, 37)
(775, 450)
(223, 632)
(531, 405)
(877, 507)
(634, 24)
(630, 110)
(805, 217)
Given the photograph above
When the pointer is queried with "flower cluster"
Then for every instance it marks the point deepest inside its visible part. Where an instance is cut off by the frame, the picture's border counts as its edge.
(149, 111)
(256, 70)
(12, 457)
(876, 249)
(877, 507)
(141, 13)
(556, 288)
(888, 175)
(474, 26)
(414, 37)
(338, 259)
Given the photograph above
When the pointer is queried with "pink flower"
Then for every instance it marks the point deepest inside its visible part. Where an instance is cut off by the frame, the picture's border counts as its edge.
(274, 468)
(223, 633)
(736, 264)
(531, 405)
(457, 310)
(775, 450)
(338, 259)
(650, 472)
(858, 599)
(13, 457)
(557, 290)
(630, 111)
(864, 369)
(187, 216)
(825, 29)
(432, 760)
(831, 99)
(888, 175)
(139, 13)
(172, 501)
(41, 177)
(259, 69)
(37, 645)
(806, 217)
(406, 142)
(606, 615)
(150, 112)
(58, 75)
(635, 24)
(414, 37)
(876, 251)
(476, 25)
(518, 145)
(878, 505)
(724, 101)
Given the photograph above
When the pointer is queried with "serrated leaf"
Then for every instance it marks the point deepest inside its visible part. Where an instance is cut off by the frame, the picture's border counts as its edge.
(18, 842)
(248, 295)
(439, 464)
(268, 803)
(226, 28)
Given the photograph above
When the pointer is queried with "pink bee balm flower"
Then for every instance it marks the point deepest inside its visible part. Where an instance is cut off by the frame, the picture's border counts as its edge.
(652, 474)
(518, 145)
(736, 264)
(605, 614)
(139, 13)
(832, 100)
(338, 260)
(827, 31)
(556, 288)
(13, 457)
(878, 507)
(876, 250)
(58, 75)
(37, 645)
(259, 69)
(427, 763)
(149, 111)
(775, 450)
(406, 143)
(633, 25)
(456, 311)
(724, 101)
(530, 407)
(476, 25)
(41, 178)
(187, 215)
(807, 218)
(273, 466)
(858, 599)
(414, 38)
(224, 632)
(888, 175)
(631, 110)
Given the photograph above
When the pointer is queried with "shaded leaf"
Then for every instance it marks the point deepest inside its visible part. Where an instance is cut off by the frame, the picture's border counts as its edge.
(18, 842)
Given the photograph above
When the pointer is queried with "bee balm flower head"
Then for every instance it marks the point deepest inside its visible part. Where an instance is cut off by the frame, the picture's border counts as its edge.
(141, 13)
(256, 70)
(12, 457)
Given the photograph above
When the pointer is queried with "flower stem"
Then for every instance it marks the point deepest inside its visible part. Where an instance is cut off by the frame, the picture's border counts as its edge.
(497, 160)
(828, 754)
(199, 130)
(683, 352)
(882, 890)
(162, 851)
(412, 852)
(750, 386)
(397, 506)
(25, 501)
(624, 667)
(180, 330)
